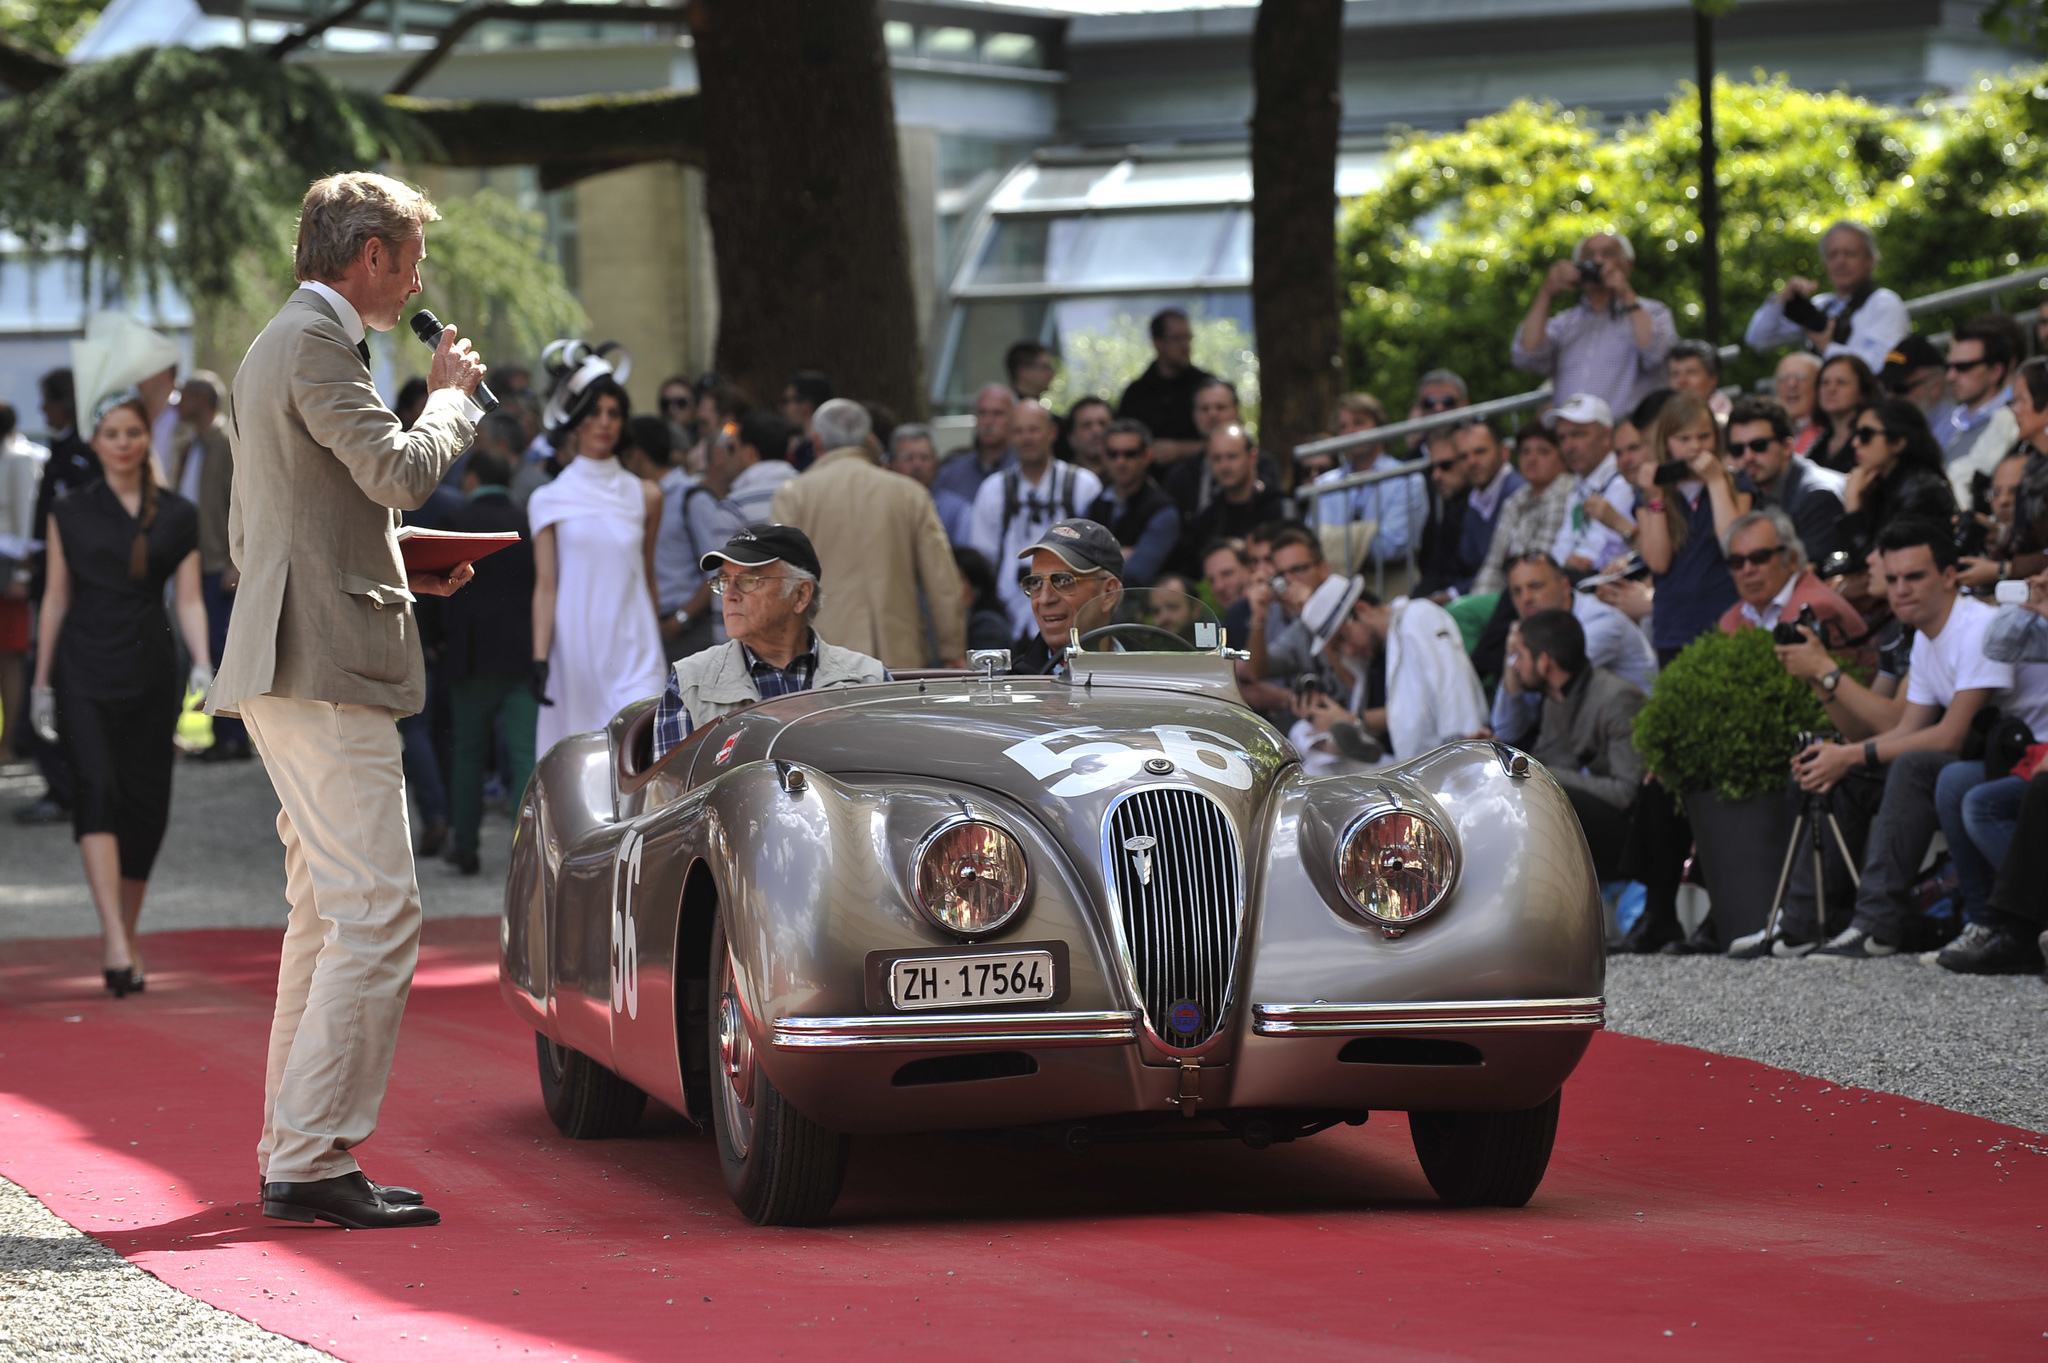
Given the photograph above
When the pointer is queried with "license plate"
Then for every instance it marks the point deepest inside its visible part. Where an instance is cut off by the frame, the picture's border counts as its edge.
(963, 981)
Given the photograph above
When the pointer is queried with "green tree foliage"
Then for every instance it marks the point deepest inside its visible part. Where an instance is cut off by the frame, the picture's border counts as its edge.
(47, 25)
(1723, 717)
(487, 272)
(1101, 361)
(179, 165)
(1441, 259)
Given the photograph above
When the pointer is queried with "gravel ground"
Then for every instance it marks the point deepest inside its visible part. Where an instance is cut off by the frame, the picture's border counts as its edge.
(1977, 1044)
(65, 1295)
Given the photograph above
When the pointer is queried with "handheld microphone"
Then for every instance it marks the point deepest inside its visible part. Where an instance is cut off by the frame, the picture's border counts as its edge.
(428, 328)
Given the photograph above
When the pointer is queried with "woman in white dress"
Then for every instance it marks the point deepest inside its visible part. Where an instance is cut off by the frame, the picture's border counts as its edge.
(596, 645)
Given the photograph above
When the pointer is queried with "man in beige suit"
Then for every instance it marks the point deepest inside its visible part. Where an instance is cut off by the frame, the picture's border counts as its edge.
(880, 540)
(322, 658)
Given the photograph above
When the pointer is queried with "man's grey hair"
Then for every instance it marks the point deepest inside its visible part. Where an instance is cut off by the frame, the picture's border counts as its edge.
(1450, 376)
(795, 575)
(839, 423)
(1628, 248)
(1788, 534)
(1862, 231)
(911, 430)
(342, 212)
(988, 388)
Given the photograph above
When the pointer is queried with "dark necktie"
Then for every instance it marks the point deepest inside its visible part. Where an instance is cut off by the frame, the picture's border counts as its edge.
(363, 349)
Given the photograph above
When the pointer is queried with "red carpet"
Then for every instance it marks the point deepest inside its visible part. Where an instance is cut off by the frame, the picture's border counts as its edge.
(1697, 1206)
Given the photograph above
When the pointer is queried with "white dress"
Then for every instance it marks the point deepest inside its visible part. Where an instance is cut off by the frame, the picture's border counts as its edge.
(606, 652)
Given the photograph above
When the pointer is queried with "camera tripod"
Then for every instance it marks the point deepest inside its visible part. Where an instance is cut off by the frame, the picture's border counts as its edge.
(1812, 810)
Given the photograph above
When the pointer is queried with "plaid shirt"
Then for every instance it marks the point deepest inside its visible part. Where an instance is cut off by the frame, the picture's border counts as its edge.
(672, 722)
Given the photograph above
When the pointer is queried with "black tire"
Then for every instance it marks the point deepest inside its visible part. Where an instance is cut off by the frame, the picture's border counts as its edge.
(586, 1101)
(781, 1168)
(1485, 1159)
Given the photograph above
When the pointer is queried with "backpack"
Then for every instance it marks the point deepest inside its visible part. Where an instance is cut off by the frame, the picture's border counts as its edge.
(1013, 491)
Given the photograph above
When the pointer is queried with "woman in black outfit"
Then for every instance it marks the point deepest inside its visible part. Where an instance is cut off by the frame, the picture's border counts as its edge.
(1898, 473)
(1844, 388)
(113, 544)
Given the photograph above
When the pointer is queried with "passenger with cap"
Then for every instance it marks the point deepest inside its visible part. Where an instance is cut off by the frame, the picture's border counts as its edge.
(767, 575)
(1074, 562)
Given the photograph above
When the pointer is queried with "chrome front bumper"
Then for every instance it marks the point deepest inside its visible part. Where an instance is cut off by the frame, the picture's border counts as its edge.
(1483, 1015)
(956, 1030)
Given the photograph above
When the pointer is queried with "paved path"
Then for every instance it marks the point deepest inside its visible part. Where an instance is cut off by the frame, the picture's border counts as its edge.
(221, 864)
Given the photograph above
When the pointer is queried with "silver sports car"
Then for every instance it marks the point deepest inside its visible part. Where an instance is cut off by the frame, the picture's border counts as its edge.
(1107, 905)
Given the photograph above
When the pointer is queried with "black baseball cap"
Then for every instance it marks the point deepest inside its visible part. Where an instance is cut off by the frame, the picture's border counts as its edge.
(1082, 545)
(758, 545)
(1909, 357)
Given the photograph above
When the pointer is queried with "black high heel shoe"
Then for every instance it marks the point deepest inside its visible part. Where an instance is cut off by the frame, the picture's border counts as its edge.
(123, 982)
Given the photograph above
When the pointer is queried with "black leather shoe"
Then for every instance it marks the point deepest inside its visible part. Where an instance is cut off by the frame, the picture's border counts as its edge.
(431, 838)
(350, 1201)
(467, 863)
(1999, 952)
(1646, 938)
(1703, 942)
(391, 1196)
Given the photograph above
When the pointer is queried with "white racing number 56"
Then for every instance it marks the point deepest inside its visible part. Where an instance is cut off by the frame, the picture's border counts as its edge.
(625, 939)
(1105, 762)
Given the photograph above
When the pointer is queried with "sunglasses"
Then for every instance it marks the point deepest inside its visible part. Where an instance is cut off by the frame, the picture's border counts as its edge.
(1863, 435)
(1442, 404)
(1961, 366)
(1756, 559)
(1062, 583)
(1445, 465)
(1112, 452)
(1736, 447)
(677, 402)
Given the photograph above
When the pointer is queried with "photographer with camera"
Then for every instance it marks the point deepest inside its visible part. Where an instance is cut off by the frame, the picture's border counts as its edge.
(1778, 588)
(1610, 343)
(1858, 318)
(1885, 784)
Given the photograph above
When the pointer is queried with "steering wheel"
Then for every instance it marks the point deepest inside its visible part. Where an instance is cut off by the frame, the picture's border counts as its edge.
(1180, 645)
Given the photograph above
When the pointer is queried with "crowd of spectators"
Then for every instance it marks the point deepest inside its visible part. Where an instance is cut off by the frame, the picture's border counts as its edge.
(1523, 584)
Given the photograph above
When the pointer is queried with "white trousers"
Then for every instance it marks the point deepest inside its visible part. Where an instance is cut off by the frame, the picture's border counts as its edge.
(353, 937)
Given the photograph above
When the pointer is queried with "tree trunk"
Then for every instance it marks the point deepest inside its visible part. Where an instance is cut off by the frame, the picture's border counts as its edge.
(1710, 189)
(805, 196)
(1296, 57)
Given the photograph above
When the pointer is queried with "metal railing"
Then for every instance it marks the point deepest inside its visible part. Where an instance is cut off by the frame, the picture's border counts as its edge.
(1965, 294)
(1346, 554)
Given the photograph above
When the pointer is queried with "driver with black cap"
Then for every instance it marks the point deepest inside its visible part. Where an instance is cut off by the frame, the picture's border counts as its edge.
(1073, 562)
(767, 576)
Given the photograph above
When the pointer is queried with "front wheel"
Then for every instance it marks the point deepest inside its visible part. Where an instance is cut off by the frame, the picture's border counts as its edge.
(1485, 1159)
(586, 1101)
(781, 1168)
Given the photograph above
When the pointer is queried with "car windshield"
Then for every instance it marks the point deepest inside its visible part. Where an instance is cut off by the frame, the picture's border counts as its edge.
(1147, 620)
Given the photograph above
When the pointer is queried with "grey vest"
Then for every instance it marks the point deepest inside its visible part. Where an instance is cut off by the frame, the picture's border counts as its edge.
(716, 682)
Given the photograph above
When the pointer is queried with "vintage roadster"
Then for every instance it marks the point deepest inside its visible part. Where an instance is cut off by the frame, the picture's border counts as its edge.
(1100, 906)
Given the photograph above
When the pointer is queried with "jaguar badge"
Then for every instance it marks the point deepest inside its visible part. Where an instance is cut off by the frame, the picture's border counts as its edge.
(1140, 849)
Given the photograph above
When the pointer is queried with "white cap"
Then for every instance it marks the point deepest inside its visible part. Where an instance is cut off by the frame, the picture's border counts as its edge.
(1583, 408)
(117, 352)
(1327, 608)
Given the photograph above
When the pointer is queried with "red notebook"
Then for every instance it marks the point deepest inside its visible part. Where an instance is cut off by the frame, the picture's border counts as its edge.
(438, 551)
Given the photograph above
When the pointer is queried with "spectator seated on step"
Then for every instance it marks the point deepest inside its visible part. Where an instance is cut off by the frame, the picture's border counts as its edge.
(1760, 445)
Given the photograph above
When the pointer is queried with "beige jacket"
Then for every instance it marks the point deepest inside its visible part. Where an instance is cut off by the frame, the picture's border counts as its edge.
(879, 539)
(322, 469)
(714, 682)
(216, 488)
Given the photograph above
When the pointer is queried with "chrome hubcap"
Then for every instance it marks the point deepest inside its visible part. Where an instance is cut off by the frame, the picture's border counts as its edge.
(736, 1060)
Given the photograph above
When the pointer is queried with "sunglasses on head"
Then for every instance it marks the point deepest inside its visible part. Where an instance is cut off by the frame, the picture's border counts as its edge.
(1736, 447)
(1754, 559)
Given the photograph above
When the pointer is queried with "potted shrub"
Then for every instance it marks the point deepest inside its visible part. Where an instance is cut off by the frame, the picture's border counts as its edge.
(1719, 730)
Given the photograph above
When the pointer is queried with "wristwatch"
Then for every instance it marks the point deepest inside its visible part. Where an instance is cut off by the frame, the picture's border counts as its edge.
(682, 618)
(1870, 754)
(1830, 682)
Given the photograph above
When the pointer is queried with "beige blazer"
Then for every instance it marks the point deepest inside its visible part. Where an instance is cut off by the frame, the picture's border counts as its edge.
(879, 539)
(322, 469)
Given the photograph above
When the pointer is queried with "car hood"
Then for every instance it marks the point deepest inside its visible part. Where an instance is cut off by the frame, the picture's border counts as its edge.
(1064, 751)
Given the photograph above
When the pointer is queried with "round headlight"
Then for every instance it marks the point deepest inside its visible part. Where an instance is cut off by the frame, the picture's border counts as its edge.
(970, 877)
(1396, 867)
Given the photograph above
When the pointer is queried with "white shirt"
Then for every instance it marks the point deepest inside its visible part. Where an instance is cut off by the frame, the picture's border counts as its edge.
(1583, 537)
(1953, 661)
(1878, 325)
(1061, 492)
(1775, 607)
(1433, 695)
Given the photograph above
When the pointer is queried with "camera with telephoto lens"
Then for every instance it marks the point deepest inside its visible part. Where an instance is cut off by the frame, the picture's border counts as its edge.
(1971, 536)
(1592, 273)
(1787, 631)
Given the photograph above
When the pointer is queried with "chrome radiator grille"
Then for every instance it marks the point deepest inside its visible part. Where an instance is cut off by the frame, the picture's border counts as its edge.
(1174, 864)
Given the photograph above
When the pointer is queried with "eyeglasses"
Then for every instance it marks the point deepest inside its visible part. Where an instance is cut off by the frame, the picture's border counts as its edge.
(1437, 404)
(1112, 452)
(743, 584)
(1755, 559)
(1299, 570)
(1736, 447)
(1061, 583)
(1962, 366)
(1863, 435)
